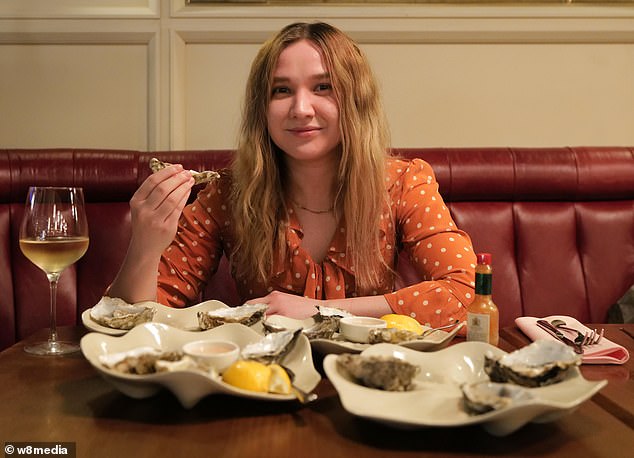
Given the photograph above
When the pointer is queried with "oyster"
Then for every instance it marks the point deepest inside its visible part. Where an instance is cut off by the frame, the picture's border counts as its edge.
(543, 362)
(185, 363)
(270, 326)
(272, 348)
(323, 329)
(199, 177)
(391, 335)
(141, 361)
(382, 372)
(327, 312)
(482, 397)
(326, 323)
(117, 314)
(247, 314)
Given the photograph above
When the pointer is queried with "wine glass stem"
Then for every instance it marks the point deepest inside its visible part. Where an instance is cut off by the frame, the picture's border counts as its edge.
(52, 279)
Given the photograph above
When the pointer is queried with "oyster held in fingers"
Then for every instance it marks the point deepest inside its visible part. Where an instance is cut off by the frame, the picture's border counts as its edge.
(199, 177)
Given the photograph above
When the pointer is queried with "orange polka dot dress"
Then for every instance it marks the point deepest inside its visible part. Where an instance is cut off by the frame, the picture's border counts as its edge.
(418, 224)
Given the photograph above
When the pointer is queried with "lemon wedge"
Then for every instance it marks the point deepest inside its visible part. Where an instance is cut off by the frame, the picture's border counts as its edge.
(255, 376)
(280, 382)
(248, 375)
(405, 322)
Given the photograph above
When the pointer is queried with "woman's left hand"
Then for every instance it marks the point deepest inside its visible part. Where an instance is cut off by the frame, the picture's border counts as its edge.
(290, 305)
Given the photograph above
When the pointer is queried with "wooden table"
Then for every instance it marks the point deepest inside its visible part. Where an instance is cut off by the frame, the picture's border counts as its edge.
(63, 399)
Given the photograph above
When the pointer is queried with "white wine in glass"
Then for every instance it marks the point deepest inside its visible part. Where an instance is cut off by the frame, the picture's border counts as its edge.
(54, 235)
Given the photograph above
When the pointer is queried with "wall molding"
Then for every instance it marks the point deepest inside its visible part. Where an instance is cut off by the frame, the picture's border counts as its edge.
(72, 32)
(181, 9)
(419, 23)
(426, 31)
(59, 9)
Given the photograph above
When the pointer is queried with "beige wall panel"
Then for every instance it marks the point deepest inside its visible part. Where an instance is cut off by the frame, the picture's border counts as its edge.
(452, 94)
(507, 94)
(74, 96)
(215, 82)
(159, 74)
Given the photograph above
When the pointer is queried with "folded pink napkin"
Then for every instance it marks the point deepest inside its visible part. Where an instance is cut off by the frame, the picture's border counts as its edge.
(605, 352)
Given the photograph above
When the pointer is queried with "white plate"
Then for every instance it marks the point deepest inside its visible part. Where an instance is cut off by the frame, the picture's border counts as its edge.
(435, 341)
(436, 400)
(190, 386)
(183, 318)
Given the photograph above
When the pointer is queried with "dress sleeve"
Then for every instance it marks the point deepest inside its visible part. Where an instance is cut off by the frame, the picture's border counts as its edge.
(441, 254)
(194, 255)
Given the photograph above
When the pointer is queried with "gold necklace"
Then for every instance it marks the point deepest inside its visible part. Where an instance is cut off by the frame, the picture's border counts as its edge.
(316, 212)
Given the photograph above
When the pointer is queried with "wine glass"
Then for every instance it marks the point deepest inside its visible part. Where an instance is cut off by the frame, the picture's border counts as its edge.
(54, 235)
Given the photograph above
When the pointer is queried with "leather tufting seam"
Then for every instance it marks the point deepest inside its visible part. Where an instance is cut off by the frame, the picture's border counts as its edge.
(515, 231)
(578, 229)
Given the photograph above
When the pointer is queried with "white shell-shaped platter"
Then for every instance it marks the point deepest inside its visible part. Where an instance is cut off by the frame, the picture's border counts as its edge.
(436, 400)
(190, 386)
(435, 341)
(184, 318)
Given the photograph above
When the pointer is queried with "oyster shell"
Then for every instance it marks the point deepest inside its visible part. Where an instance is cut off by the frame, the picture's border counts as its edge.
(543, 362)
(199, 177)
(482, 397)
(325, 328)
(382, 372)
(272, 348)
(141, 360)
(326, 323)
(327, 312)
(186, 363)
(391, 335)
(115, 313)
(247, 314)
(270, 327)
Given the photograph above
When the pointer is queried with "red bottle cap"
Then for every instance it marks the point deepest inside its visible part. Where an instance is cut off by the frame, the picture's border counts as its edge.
(484, 258)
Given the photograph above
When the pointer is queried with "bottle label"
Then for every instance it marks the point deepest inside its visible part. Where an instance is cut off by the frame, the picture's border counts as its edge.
(478, 327)
(483, 284)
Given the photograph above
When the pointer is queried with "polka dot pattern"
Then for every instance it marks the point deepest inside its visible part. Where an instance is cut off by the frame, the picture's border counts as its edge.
(437, 251)
(417, 221)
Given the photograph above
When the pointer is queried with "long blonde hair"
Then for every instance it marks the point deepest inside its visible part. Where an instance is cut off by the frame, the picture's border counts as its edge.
(258, 171)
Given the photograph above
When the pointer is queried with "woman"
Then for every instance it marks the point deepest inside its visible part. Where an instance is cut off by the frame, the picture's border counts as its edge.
(313, 210)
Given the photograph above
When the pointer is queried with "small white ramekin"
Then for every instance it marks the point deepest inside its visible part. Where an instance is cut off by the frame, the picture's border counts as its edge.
(216, 354)
(357, 328)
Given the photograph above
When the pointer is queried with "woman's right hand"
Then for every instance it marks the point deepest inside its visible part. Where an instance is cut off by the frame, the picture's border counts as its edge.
(156, 208)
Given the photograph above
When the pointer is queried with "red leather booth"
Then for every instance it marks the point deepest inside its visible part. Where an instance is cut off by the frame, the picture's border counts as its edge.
(558, 221)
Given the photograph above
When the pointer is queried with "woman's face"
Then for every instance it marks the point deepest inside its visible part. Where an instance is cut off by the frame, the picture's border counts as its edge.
(303, 116)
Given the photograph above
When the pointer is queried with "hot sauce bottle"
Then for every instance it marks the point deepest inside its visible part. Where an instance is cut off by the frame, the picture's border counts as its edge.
(482, 314)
